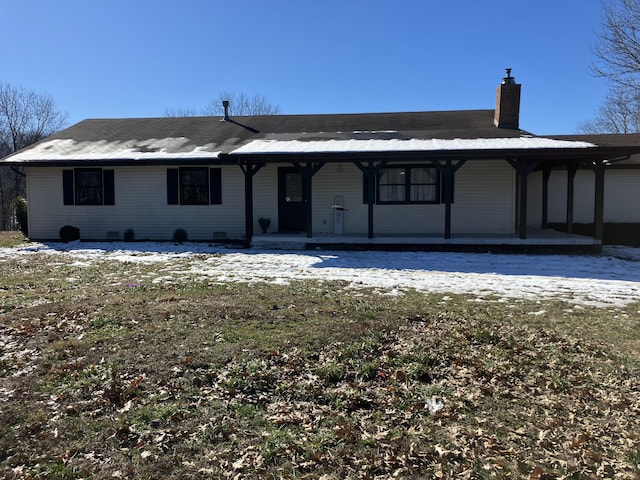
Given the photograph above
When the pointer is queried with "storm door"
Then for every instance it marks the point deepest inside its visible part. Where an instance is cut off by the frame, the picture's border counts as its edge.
(291, 206)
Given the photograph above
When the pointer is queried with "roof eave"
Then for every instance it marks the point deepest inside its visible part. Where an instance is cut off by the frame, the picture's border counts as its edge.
(121, 162)
(538, 154)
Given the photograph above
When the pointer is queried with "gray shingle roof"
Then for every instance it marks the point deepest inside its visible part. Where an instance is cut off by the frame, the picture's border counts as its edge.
(207, 137)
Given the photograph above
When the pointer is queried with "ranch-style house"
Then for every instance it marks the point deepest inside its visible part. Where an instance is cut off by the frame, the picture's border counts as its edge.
(469, 179)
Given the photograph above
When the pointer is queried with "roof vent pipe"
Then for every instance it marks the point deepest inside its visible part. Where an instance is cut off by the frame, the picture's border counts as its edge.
(225, 104)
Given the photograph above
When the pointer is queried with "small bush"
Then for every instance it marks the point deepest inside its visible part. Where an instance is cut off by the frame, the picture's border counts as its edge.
(180, 235)
(21, 215)
(69, 233)
(129, 235)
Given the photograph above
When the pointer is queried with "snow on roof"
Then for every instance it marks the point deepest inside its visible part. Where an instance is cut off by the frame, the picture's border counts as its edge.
(165, 148)
(390, 145)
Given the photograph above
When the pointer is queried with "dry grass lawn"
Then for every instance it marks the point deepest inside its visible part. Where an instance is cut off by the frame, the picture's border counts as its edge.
(308, 380)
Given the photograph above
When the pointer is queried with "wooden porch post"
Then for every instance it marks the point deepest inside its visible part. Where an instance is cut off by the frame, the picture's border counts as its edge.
(571, 174)
(598, 210)
(546, 173)
(522, 168)
(448, 171)
(369, 187)
(249, 172)
(371, 196)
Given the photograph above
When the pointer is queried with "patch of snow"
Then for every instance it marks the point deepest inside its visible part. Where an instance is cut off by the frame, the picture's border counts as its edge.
(611, 279)
(68, 149)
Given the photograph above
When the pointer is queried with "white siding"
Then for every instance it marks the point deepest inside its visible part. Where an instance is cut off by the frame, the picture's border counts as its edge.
(330, 181)
(534, 200)
(140, 204)
(484, 199)
(622, 196)
(484, 203)
(265, 196)
(344, 180)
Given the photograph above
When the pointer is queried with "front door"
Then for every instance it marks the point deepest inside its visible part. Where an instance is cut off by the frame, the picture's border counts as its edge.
(291, 206)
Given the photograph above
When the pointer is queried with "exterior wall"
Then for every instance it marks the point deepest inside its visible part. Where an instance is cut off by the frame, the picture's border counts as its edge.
(583, 199)
(484, 202)
(331, 180)
(534, 200)
(621, 196)
(265, 197)
(140, 204)
(344, 180)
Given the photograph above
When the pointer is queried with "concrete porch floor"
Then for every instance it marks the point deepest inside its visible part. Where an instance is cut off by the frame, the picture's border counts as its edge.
(550, 241)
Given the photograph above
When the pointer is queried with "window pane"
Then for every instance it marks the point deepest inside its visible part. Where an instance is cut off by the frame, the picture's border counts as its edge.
(391, 193)
(392, 175)
(88, 186)
(423, 175)
(293, 187)
(423, 193)
(194, 186)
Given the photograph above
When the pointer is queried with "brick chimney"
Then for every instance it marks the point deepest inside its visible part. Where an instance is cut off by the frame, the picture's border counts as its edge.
(508, 103)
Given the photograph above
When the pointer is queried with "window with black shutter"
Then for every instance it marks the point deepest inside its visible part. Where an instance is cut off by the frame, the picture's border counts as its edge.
(194, 186)
(88, 186)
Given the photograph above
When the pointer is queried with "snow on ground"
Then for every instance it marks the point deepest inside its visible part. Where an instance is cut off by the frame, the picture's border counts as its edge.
(611, 279)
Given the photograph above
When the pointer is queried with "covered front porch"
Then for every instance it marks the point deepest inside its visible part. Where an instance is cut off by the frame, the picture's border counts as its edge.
(537, 241)
(460, 198)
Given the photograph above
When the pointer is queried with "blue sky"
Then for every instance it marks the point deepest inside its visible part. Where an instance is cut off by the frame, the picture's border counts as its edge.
(136, 58)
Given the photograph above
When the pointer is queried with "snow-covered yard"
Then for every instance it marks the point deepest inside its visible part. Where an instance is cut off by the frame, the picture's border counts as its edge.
(611, 279)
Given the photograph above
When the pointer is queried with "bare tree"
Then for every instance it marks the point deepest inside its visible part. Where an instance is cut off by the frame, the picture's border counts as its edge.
(617, 50)
(620, 113)
(239, 105)
(181, 112)
(25, 117)
(617, 59)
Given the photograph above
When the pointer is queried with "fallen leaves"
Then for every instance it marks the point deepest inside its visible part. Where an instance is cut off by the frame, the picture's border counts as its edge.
(441, 396)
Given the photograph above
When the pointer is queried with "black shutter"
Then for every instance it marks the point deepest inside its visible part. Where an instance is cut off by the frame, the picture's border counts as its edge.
(172, 186)
(67, 186)
(215, 186)
(365, 189)
(447, 188)
(109, 188)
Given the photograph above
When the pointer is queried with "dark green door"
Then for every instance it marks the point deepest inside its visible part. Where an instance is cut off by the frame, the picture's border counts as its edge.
(291, 206)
